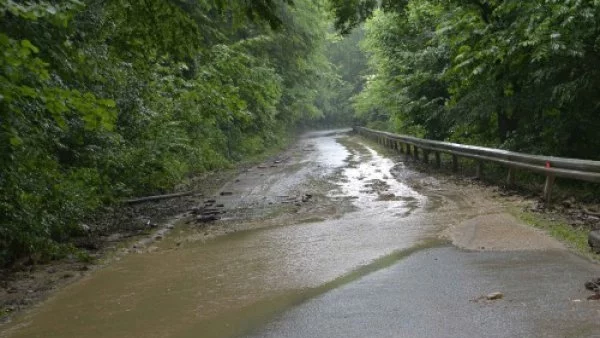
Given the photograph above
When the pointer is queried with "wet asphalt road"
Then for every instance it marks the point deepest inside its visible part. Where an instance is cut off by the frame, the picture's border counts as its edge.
(362, 258)
(434, 293)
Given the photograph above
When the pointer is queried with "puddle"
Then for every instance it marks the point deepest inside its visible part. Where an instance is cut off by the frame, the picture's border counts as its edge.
(222, 286)
(369, 179)
(330, 153)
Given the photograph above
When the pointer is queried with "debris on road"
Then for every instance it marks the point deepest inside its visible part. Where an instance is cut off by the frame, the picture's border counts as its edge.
(206, 213)
(207, 218)
(495, 296)
(594, 240)
(492, 296)
(159, 197)
(594, 297)
(590, 212)
(593, 285)
(306, 197)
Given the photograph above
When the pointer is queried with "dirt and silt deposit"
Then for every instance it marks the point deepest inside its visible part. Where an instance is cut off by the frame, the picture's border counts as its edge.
(328, 211)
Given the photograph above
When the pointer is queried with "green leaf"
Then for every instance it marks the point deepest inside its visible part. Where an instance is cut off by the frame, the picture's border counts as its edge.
(51, 9)
(28, 45)
(15, 141)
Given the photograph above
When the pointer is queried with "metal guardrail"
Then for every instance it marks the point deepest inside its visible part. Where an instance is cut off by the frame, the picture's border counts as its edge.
(552, 167)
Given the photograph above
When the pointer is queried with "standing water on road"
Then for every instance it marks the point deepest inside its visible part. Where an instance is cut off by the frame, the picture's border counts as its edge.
(196, 285)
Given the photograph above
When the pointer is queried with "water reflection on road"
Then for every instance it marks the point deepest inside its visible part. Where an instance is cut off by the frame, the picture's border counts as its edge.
(224, 286)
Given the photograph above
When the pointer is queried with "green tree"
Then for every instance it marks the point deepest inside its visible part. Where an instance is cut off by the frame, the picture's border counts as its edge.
(105, 99)
(514, 74)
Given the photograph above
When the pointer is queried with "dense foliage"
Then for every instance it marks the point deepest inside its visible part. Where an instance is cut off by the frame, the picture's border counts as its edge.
(344, 80)
(105, 99)
(521, 75)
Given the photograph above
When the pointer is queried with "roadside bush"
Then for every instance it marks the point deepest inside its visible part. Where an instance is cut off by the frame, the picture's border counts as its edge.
(105, 100)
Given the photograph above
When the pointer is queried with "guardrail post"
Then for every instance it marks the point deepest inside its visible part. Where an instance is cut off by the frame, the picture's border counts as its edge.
(454, 163)
(416, 153)
(438, 160)
(548, 188)
(479, 170)
(425, 156)
(510, 178)
(400, 147)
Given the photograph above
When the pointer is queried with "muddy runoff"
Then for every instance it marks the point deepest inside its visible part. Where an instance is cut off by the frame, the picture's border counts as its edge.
(329, 211)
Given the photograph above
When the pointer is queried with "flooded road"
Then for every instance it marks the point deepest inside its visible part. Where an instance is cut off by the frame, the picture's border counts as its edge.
(327, 212)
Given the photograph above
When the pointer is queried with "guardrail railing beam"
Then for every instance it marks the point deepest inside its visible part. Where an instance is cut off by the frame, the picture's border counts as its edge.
(551, 167)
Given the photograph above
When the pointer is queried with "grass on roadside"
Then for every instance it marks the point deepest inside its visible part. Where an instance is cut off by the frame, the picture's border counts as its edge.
(575, 238)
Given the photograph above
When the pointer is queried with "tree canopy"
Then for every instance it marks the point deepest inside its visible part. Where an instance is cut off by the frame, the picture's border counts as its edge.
(520, 75)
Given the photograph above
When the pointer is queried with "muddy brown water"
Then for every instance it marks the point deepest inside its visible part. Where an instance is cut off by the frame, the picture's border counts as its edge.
(195, 284)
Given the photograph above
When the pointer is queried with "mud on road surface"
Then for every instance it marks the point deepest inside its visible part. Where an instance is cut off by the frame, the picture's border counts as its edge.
(324, 214)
